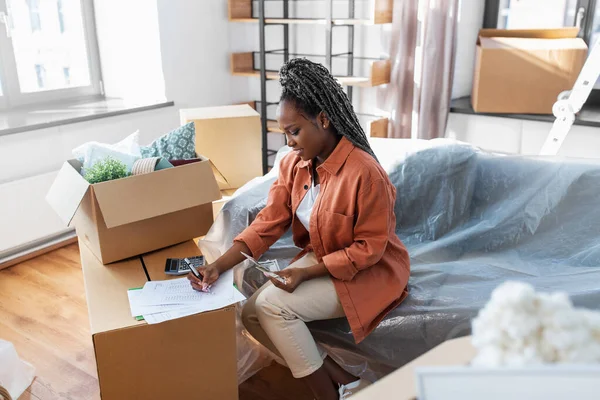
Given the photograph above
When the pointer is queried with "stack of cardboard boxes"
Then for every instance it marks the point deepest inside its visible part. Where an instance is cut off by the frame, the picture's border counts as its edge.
(127, 228)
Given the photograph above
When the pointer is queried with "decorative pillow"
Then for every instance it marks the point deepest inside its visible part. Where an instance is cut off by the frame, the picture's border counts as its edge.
(179, 144)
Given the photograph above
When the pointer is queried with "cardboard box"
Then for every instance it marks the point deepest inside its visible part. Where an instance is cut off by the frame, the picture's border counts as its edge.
(231, 137)
(401, 384)
(531, 382)
(191, 357)
(523, 71)
(130, 216)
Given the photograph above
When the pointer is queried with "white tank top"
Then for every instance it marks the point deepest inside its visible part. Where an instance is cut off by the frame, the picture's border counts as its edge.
(306, 205)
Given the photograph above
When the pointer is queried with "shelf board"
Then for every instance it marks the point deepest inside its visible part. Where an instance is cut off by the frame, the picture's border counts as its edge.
(344, 80)
(273, 126)
(242, 65)
(380, 13)
(311, 21)
(377, 127)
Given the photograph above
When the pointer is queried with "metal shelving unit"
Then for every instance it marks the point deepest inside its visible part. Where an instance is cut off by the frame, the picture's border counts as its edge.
(243, 64)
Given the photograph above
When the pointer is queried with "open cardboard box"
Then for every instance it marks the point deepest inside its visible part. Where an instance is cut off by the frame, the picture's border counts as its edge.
(130, 216)
(523, 71)
(231, 137)
(191, 357)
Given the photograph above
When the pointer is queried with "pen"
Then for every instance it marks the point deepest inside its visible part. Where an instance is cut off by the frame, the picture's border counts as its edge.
(197, 275)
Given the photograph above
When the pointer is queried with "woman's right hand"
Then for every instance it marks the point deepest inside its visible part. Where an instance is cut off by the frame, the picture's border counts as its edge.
(210, 274)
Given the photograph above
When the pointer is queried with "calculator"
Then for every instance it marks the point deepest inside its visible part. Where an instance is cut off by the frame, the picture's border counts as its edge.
(177, 266)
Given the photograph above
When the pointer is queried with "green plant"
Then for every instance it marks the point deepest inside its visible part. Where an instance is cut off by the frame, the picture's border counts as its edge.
(106, 170)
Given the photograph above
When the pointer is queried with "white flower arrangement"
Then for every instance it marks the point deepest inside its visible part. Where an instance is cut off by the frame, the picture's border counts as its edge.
(520, 327)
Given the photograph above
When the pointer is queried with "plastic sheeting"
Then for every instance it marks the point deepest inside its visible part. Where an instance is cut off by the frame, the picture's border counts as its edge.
(470, 221)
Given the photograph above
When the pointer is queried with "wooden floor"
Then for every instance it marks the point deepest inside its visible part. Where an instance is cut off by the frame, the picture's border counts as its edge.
(43, 312)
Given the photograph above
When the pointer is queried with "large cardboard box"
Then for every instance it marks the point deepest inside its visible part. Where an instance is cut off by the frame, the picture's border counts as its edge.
(130, 216)
(401, 384)
(523, 71)
(231, 137)
(185, 358)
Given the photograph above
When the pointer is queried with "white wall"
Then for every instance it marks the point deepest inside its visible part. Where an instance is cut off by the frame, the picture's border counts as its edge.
(516, 136)
(195, 38)
(130, 58)
(470, 21)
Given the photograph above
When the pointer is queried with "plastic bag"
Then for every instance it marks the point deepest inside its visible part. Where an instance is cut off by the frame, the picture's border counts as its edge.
(251, 355)
(15, 374)
(127, 151)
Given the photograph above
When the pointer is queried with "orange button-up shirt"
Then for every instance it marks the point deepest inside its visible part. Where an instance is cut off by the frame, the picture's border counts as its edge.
(352, 230)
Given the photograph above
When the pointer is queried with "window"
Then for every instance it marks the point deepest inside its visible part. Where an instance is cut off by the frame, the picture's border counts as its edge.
(34, 15)
(536, 14)
(48, 51)
(61, 16)
(67, 75)
(40, 73)
(531, 14)
(594, 27)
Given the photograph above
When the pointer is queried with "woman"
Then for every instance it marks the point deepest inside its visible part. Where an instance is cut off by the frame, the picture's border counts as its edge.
(339, 203)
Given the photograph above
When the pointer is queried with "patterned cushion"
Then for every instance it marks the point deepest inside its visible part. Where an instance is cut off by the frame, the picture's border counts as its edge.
(179, 144)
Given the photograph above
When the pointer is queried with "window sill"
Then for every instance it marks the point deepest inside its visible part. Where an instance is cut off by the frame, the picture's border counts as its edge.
(588, 116)
(51, 115)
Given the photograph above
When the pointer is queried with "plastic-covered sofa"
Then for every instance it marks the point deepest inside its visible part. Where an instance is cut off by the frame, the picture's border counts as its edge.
(470, 220)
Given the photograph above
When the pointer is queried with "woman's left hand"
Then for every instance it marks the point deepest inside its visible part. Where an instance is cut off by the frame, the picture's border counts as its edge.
(293, 276)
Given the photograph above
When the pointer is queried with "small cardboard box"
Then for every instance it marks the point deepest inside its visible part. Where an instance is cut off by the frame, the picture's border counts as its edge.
(523, 71)
(191, 357)
(231, 137)
(130, 216)
(401, 384)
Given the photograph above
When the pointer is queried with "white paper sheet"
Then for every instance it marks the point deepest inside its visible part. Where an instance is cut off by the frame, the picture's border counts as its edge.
(179, 291)
(138, 309)
(194, 309)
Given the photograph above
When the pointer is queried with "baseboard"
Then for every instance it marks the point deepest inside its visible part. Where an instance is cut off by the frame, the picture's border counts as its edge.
(36, 248)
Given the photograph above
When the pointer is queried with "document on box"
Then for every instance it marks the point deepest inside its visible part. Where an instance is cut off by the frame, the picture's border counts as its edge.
(137, 308)
(179, 291)
(160, 301)
(190, 310)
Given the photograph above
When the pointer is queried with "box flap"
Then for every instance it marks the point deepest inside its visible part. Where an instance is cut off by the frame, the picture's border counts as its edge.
(220, 178)
(240, 110)
(106, 290)
(67, 191)
(141, 197)
(511, 43)
(558, 33)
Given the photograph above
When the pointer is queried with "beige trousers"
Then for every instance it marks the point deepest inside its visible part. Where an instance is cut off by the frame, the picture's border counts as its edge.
(277, 319)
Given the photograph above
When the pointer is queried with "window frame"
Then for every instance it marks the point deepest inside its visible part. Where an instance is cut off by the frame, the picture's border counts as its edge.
(11, 92)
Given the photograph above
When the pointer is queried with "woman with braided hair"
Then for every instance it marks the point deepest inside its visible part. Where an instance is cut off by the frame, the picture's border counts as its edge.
(339, 203)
